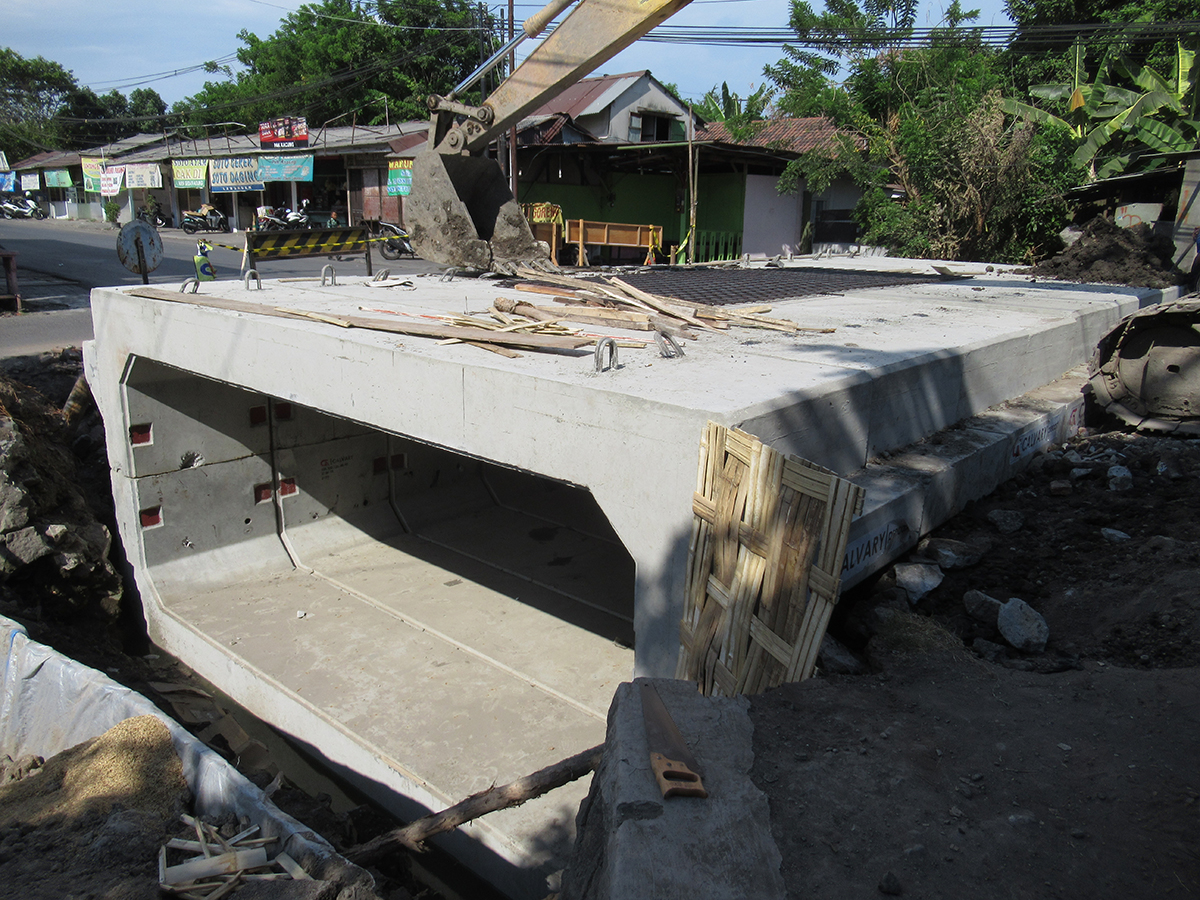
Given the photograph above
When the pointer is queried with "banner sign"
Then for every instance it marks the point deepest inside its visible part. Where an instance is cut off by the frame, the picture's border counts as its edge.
(285, 168)
(58, 178)
(8, 181)
(30, 182)
(399, 182)
(3, 161)
(92, 170)
(286, 133)
(110, 181)
(190, 173)
(239, 173)
(143, 175)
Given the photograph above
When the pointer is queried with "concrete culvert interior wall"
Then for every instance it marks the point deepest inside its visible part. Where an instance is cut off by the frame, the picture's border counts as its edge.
(222, 473)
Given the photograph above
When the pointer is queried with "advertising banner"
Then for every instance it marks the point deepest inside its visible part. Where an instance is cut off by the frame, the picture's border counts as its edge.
(110, 181)
(399, 182)
(285, 168)
(58, 178)
(3, 161)
(190, 173)
(8, 181)
(286, 133)
(30, 182)
(239, 173)
(92, 170)
(143, 175)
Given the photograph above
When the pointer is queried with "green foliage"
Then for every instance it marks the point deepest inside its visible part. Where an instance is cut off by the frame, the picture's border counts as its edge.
(742, 118)
(344, 61)
(31, 92)
(112, 210)
(1115, 125)
(944, 172)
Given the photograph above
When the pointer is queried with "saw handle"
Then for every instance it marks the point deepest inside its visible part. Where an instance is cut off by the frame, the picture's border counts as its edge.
(675, 779)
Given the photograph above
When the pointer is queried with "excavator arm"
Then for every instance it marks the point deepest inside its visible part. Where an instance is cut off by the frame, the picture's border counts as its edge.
(461, 211)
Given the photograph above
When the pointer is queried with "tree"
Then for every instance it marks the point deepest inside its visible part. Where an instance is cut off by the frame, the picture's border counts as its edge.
(342, 60)
(31, 92)
(944, 172)
(742, 118)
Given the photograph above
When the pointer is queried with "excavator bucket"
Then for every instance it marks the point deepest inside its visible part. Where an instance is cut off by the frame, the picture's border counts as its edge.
(462, 213)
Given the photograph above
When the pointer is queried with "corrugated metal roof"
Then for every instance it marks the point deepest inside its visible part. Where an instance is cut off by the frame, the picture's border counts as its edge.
(796, 135)
(588, 95)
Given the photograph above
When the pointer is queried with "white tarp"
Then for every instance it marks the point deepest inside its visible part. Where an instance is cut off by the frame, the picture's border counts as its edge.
(50, 703)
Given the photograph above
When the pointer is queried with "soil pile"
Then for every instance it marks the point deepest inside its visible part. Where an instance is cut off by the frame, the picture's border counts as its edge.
(53, 479)
(1106, 254)
(90, 821)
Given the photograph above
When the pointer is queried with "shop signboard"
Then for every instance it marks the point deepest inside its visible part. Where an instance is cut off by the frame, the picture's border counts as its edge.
(92, 170)
(8, 181)
(189, 173)
(30, 181)
(110, 181)
(285, 133)
(59, 178)
(399, 183)
(3, 161)
(285, 168)
(143, 175)
(236, 173)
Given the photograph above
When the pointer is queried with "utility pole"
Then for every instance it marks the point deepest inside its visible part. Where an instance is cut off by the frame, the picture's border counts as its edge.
(512, 135)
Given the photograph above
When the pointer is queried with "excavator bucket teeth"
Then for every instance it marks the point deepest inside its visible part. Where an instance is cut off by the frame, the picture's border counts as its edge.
(462, 213)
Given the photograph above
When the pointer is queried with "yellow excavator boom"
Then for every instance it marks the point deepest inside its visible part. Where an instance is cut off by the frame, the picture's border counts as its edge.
(461, 211)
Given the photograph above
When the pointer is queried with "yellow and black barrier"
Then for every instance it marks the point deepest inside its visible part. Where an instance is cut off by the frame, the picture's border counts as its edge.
(307, 242)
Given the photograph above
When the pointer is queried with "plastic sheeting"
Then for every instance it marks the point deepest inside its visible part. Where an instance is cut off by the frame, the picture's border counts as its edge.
(49, 703)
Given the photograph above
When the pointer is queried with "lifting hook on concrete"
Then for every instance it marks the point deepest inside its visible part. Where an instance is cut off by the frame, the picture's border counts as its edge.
(194, 282)
(253, 273)
(382, 275)
(601, 345)
(332, 275)
(668, 347)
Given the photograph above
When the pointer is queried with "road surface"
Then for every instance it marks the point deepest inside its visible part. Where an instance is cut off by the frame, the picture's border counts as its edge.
(59, 261)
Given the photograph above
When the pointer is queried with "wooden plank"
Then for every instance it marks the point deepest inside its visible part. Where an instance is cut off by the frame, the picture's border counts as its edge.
(292, 867)
(223, 864)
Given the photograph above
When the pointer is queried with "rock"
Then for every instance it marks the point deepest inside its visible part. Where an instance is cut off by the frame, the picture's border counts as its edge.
(989, 650)
(836, 659)
(26, 545)
(14, 506)
(981, 607)
(1060, 488)
(1007, 521)
(917, 579)
(1119, 478)
(1113, 536)
(1161, 542)
(1023, 626)
(1073, 457)
(1080, 473)
(889, 884)
(950, 554)
(1169, 468)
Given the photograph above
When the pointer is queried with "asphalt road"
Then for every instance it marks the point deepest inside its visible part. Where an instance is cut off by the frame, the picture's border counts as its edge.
(60, 261)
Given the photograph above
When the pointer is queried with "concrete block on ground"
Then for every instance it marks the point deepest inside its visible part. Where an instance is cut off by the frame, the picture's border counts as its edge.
(631, 843)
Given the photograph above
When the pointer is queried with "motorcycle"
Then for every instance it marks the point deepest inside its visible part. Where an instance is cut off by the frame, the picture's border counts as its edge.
(298, 218)
(21, 208)
(395, 240)
(154, 218)
(267, 220)
(207, 218)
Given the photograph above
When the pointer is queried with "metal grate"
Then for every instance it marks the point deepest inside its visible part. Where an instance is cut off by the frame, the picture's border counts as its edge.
(766, 285)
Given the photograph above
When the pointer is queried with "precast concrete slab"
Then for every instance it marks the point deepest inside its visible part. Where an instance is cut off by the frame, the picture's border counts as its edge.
(433, 565)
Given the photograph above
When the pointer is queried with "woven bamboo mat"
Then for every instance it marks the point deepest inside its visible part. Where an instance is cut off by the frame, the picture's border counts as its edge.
(764, 566)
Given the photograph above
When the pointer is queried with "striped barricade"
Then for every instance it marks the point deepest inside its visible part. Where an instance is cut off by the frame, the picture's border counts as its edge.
(307, 242)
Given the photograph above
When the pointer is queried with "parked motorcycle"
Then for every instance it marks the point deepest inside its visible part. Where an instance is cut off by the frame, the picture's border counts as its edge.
(395, 243)
(207, 218)
(154, 218)
(16, 207)
(298, 218)
(268, 220)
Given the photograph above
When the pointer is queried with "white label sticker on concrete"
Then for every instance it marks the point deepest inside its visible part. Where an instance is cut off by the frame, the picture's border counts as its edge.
(860, 554)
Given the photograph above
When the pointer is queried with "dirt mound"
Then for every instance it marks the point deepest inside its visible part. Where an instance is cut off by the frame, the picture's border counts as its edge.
(90, 821)
(1106, 254)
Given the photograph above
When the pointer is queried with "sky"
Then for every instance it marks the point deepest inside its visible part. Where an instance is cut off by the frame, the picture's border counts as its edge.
(152, 43)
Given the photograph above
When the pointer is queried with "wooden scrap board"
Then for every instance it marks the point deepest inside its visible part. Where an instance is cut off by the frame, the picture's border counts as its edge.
(764, 565)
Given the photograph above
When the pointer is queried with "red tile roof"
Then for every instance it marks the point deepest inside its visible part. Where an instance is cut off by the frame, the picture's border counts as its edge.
(796, 135)
(582, 94)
